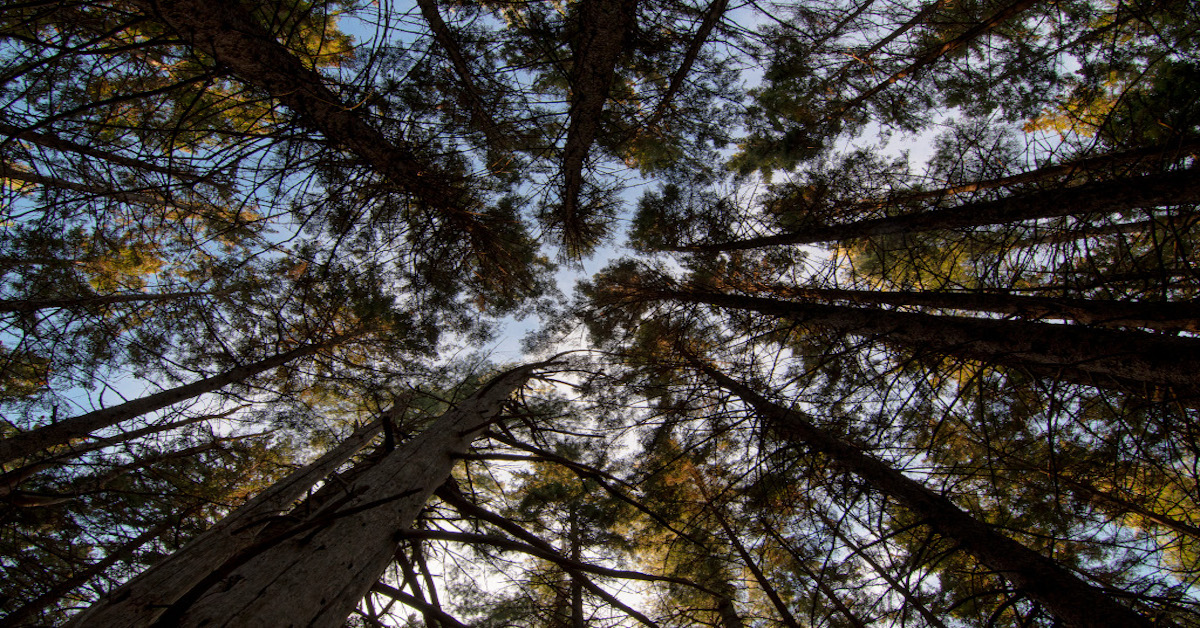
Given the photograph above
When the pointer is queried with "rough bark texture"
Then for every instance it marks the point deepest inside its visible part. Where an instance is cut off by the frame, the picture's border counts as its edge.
(1070, 599)
(318, 574)
(1096, 357)
(143, 599)
(1156, 190)
(603, 25)
(63, 432)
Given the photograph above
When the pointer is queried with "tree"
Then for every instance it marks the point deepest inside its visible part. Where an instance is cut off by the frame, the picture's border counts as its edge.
(252, 253)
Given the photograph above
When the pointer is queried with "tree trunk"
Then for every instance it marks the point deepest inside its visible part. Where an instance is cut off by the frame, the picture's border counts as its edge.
(1128, 360)
(63, 432)
(227, 32)
(1104, 197)
(1062, 593)
(932, 56)
(68, 146)
(318, 572)
(140, 601)
(33, 305)
(22, 615)
(1098, 313)
(603, 25)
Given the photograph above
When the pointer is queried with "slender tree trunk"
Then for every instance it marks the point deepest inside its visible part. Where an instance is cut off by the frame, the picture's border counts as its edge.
(932, 56)
(318, 572)
(826, 590)
(479, 113)
(63, 432)
(712, 16)
(1062, 593)
(27, 612)
(140, 601)
(1056, 174)
(1103, 197)
(603, 26)
(33, 305)
(235, 39)
(1098, 313)
(909, 597)
(1130, 360)
(68, 146)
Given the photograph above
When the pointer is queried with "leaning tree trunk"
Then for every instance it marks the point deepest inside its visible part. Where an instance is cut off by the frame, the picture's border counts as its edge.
(1104, 197)
(1126, 360)
(1178, 315)
(315, 573)
(142, 600)
(1072, 600)
(63, 432)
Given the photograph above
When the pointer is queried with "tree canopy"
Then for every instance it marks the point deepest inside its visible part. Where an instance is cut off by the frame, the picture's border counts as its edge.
(896, 326)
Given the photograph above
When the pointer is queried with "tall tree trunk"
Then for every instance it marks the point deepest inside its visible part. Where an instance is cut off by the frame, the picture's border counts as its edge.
(1128, 360)
(140, 601)
(1103, 197)
(63, 432)
(1099, 313)
(316, 574)
(1062, 593)
(603, 26)
(33, 305)
(237, 41)
(22, 615)
(712, 16)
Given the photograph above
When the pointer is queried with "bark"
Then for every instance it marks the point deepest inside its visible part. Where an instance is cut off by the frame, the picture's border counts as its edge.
(63, 432)
(1129, 360)
(603, 26)
(140, 601)
(1099, 313)
(1103, 197)
(33, 305)
(1061, 592)
(224, 30)
(318, 572)
(932, 56)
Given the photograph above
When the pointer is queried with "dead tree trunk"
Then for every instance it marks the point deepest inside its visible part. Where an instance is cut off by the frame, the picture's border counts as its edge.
(141, 600)
(315, 573)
